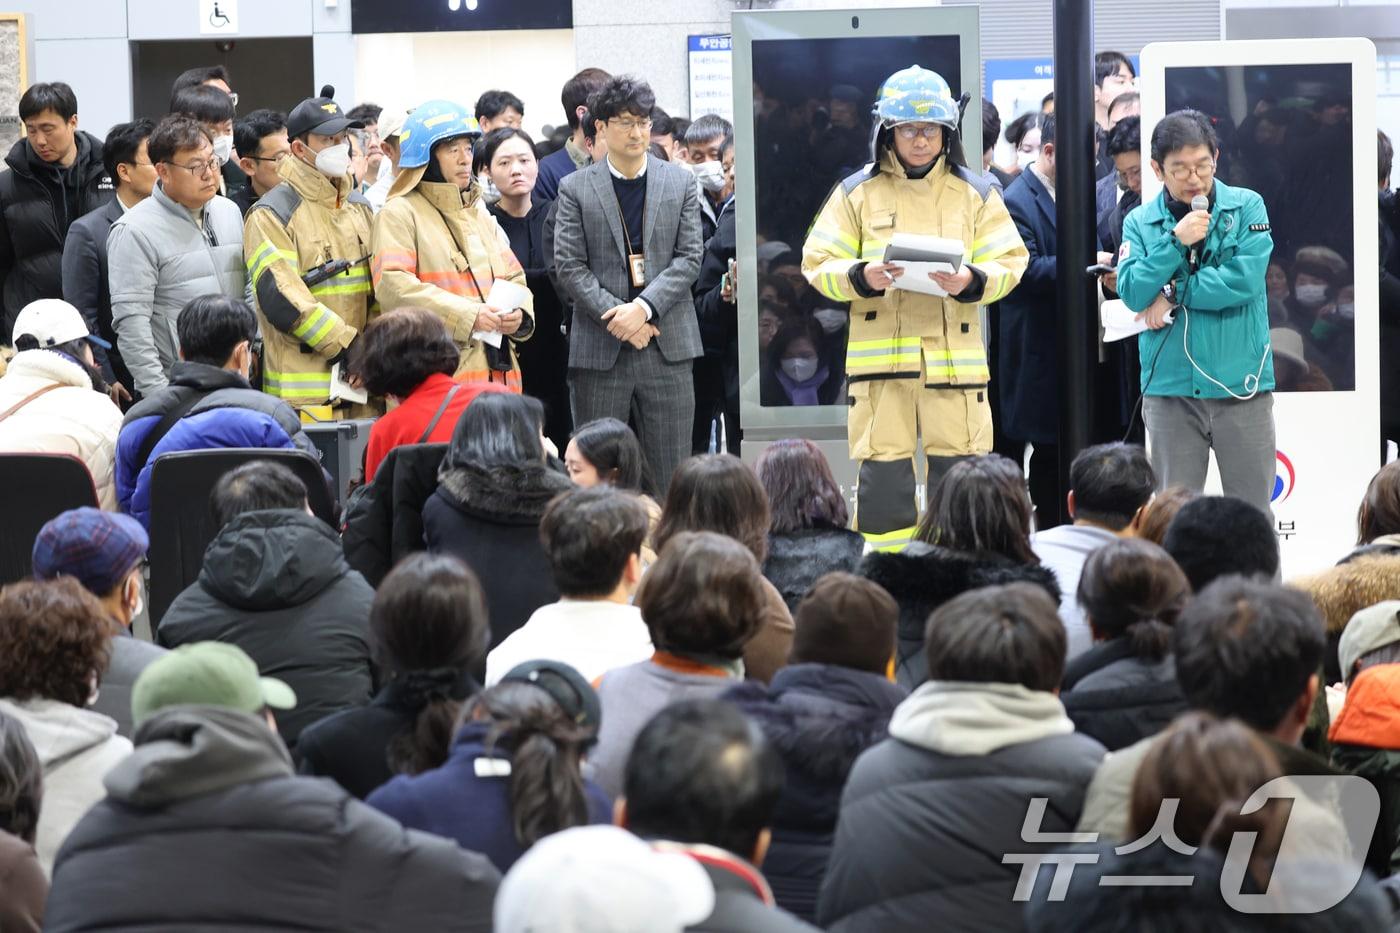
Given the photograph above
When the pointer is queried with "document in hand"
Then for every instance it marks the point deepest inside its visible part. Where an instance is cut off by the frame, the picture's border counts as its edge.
(505, 295)
(1120, 321)
(918, 256)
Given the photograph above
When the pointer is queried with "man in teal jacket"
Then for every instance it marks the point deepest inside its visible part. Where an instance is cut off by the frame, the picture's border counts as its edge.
(1196, 277)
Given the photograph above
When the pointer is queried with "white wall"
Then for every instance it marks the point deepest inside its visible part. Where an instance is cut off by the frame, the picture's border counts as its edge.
(405, 69)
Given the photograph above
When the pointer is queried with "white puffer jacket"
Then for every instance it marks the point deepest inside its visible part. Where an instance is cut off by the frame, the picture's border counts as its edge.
(72, 420)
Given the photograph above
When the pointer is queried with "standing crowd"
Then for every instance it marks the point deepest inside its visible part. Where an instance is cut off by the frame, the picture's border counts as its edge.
(565, 664)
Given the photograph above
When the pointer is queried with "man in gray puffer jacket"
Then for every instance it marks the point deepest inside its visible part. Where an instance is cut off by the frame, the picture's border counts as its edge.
(182, 242)
(206, 826)
(928, 814)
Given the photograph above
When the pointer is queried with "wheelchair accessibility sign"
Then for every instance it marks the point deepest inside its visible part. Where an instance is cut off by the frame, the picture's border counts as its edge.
(218, 17)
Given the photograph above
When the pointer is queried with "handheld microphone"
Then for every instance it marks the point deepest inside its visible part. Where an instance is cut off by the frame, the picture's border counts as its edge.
(1199, 203)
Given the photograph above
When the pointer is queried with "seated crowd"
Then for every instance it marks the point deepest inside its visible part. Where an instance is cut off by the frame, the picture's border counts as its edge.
(714, 714)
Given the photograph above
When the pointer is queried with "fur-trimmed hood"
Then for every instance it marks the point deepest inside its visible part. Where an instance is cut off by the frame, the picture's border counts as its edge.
(923, 577)
(511, 495)
(1360, 581)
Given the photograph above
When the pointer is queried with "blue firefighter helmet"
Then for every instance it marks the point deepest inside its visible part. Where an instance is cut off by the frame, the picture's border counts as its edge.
(429, 124)
(916, 95)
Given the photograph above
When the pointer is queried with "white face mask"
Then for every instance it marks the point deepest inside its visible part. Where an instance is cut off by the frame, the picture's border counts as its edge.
(1024, 159)
(1311, 295)
(800, 368)
(711, 175)
(223, 148)
(334, 161)
(831, 319)
(1347, 311)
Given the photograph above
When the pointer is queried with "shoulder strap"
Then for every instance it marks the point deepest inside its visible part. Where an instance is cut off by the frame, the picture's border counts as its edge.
(162, 428)
(442, 410)
(31, 397)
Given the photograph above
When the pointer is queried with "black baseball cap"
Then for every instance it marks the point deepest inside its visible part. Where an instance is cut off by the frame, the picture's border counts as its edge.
(575, 695)
(319, 115)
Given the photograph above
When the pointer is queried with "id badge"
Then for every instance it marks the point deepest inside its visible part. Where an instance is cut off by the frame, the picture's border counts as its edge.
(637, 263)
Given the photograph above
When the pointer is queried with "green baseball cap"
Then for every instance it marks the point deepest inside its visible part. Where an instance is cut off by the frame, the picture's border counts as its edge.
(206, 673)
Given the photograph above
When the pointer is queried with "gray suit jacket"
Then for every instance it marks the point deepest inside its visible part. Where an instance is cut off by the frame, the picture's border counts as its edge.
(591, 259)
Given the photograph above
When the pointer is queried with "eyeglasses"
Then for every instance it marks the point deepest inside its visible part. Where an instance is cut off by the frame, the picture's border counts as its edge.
(198, 169)
(628, 126)
(1202, 170)
(276, 160)
(911, 131)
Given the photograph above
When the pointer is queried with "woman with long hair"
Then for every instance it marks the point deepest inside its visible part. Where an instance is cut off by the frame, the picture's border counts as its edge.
(807, 533)
(719, 493)
(975, 532)
(494, 486)
(513, 774)
(429, 632)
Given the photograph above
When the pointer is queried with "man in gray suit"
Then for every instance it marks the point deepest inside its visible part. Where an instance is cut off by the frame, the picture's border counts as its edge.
(627, 248)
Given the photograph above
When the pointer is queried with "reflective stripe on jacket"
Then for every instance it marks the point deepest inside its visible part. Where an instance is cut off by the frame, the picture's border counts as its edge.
(305, 222)
(435, 248)
(903, 333)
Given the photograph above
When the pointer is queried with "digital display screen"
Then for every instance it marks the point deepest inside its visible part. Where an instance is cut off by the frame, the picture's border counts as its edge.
(813, 128)
(1285, 132)
(368, 16)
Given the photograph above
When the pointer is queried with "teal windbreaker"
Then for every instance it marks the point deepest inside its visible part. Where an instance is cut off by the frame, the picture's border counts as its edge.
(1226, 310)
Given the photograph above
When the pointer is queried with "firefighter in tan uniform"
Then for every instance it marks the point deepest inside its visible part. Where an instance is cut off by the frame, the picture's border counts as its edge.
(307, 246)
(916, 364)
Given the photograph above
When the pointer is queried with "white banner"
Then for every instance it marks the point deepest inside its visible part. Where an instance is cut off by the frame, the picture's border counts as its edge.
(711, 76)
(1278, 106)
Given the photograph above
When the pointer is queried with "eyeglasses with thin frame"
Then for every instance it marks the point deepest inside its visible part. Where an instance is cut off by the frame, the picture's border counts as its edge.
(910, 131)
(1202, 170)
(628, 126)
(198, 169)
(276, 160)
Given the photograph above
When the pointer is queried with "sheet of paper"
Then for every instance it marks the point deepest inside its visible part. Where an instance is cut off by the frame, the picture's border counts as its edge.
(915, 277)
(491, 337)
(344, 391)
(1120, 321)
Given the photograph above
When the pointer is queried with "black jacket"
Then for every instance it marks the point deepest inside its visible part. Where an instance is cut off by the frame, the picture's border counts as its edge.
(276, 584)
(795, 561)
(208, 828)
(490, 518)
(384, 519)
(1026, 367)
(819, 717)
(544, 358)
(38, 203)
(719, 319)
(923, 577)
(352, 747)
(1117, 698)
(85, 283)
